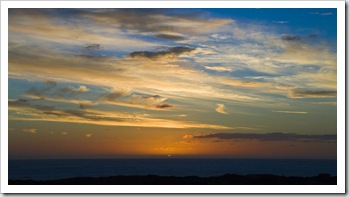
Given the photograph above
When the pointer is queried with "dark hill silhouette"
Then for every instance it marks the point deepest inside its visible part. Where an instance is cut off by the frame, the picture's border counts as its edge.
(228, 179)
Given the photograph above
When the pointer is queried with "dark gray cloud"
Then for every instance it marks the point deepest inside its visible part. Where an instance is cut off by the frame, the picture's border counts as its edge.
(170, 37)
(171, 52)
(290, 38)
(162, 106)
(82, 106)
(92, 47)
(269, 137)
(26, 103)
(35, 92)
(39, 92)
(314, 93)
(152, 97)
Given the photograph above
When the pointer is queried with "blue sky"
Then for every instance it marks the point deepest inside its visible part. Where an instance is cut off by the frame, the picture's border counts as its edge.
(172, 81)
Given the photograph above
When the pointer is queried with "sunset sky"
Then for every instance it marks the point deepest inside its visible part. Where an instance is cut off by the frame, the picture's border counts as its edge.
(111, 83)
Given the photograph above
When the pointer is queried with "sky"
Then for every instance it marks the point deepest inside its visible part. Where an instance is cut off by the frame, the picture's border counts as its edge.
(116, 83)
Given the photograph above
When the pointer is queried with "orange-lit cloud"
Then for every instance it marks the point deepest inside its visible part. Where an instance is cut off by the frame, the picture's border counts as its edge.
(32, 131)
(34, 112)
(187, 136)
(221, 109)
(88, 135)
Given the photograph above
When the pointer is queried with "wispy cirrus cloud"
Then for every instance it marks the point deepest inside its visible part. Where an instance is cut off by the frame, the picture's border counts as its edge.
(126, 98)
(156, 20)
(321, 13)
(35, 112)
(179, 78)
(183, 58)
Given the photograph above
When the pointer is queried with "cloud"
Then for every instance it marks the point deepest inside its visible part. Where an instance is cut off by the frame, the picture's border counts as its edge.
(122, 98)
(321, 13)
(291, 38)
(325, 103)
(188, 136)
(270, 137)
(221, 109)
(148, 102)
(257, 51)
(32, 131)
(50, 90)
(170, 53)
(161, 106)
(326, 13)
(88, 135)
(291, 112)
(51, 26)
(115, 94)
(218, 68)
(39, 92)
(93, 57)
(312, 93)
(155, 21)
(171, 37)
(90, 47)
(72, 90)
(280, 22)
(30, 112)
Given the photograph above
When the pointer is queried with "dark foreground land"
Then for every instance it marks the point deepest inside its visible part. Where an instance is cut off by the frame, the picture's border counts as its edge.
(228, 179)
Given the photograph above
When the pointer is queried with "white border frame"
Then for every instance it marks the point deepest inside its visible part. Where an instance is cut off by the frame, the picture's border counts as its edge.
(339, 188)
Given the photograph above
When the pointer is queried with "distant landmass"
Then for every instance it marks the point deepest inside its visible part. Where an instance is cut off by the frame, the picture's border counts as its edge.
(227, 179)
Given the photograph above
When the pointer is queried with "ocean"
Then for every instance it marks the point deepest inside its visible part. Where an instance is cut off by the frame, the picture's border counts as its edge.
(68, 168)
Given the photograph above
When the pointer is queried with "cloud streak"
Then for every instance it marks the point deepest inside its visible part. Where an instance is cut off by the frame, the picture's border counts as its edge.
(290, 38)
(171, 37)
(291, 112)
(32, 112)
(313, 93)
(32, 131)
(218, 68)
(269, 137)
